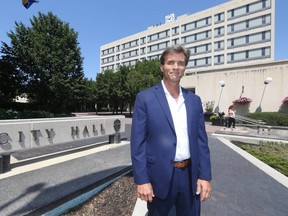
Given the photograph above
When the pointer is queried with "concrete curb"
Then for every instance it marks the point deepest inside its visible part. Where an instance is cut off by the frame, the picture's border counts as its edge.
(264, 167)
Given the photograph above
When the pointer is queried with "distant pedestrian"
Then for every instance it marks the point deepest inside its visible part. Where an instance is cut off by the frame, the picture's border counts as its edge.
(231, 116)
(96, 108)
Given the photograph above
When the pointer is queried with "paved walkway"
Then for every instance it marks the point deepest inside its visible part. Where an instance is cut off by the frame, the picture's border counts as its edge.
(241, 187)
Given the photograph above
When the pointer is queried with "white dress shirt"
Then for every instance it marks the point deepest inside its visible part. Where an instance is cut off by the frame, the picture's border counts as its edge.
(179, 115)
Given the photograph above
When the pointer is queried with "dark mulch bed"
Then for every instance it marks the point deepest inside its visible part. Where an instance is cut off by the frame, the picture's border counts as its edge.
(117, 199)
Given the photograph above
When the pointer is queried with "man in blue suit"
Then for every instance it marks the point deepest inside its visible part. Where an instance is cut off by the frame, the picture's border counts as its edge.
(169, 145)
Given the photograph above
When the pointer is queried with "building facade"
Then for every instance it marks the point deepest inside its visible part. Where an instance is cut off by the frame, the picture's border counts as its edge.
(243, 81)
(238, 32)
(232, 43)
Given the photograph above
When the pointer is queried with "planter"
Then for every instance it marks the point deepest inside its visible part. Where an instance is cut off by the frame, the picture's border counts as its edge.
(218, 122)
(207, 116)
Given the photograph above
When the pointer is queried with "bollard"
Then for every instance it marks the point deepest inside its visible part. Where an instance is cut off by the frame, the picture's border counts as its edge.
(111, 139)
(1, 164)
(114, 138)
(117, 138)
(6, 162)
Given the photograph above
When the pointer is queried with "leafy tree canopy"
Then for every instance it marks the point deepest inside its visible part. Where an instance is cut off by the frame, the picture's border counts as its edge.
(48, 54)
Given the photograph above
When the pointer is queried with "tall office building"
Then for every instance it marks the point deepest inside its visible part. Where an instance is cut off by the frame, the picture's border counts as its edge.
(238, 32)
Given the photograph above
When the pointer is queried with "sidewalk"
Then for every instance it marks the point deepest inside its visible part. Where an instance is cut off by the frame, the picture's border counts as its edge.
(241, 187)
(53, 181)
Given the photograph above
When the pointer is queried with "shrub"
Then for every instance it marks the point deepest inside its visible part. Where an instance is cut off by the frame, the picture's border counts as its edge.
(35, 114)
(28, 114)
(208, 106)
(2, 113)
(214, 117)
(271, 118)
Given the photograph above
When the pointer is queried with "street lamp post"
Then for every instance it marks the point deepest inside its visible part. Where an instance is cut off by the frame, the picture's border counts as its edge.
(222, 84)
(266, 82)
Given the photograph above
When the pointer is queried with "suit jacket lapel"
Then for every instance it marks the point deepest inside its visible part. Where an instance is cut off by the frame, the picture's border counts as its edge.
(189, 109)
(160, 94)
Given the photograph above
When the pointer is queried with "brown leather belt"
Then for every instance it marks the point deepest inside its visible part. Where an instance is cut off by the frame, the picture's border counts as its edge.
(181, 164)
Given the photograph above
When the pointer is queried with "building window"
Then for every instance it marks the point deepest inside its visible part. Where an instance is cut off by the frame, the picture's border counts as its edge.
(201, 49)
(249, 39)
(188, 27)
(130, 54)
(249, 55)
(196, 37)
(154, 57)
(158, 36)
(218, 59)
(157, 47)
(219, 45)
(219, 18)
(248, 9)
(201, 62)
(175, 41)
(142, 40)
(252, 23)
(175, 30)
(203, 22)
(219, 31)
(142, 51)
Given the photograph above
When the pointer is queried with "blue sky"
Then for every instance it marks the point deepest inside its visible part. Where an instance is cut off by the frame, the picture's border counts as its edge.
(100, 22)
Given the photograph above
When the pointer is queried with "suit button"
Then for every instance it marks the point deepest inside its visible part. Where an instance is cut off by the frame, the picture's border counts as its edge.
(174, 144)
(171, 161)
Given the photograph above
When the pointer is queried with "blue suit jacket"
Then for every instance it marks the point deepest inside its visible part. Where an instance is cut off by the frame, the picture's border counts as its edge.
(153, 140)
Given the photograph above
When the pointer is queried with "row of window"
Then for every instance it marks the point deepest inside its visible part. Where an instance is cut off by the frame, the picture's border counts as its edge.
(249, 55)
(196, 24)
(196, 37)
(259, 37)
(249, 39)
(231, 57)
(207, 61)
(250, 8)
(249, 24)
(130, 54)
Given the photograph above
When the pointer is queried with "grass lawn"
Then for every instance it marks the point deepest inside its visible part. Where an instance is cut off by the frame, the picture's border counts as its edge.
(272, 153)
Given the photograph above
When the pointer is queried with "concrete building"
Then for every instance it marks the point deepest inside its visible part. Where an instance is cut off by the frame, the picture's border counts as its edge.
(232, 42)
(245, 81)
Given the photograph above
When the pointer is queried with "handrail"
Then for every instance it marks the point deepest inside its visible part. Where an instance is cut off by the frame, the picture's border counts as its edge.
(249, 120)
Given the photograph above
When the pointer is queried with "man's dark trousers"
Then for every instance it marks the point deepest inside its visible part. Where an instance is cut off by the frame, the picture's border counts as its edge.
(180, 194)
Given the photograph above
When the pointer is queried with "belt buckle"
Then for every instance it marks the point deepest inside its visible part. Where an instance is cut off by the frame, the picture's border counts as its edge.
(181, 164)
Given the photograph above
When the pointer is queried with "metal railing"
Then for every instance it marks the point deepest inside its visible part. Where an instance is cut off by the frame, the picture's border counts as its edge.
(247, 120)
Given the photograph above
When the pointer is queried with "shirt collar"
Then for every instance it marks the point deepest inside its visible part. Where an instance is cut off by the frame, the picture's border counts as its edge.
(167, 92)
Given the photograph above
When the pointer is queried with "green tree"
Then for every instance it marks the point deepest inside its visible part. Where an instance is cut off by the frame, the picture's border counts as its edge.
(104, 88)
(121, 89)
(85, 96)
(47, 53)
(144, 75)
(118, 89)
(11, 82)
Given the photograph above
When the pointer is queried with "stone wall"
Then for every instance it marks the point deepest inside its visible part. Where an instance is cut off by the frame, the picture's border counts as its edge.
(30, 133)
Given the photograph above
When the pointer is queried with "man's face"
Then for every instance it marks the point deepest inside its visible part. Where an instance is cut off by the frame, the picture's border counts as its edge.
(174, 67)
